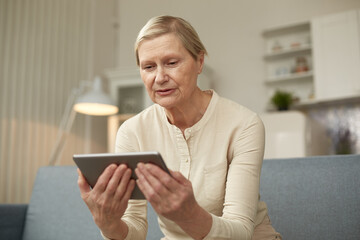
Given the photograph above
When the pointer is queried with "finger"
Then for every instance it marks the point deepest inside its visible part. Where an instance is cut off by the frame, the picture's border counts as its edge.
(156, 170)
(155, 174)
(145, 187)
(104, 178)
(179, 177)
(82, 183)
(115, 179)
(129, 190)
(122, 186)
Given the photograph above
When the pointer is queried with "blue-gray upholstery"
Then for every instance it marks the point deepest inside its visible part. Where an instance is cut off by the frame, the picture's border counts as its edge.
(313, 198)
(57, 212)
(308, 198)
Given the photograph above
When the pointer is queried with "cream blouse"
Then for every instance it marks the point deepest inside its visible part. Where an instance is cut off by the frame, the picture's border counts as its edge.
(221, 155)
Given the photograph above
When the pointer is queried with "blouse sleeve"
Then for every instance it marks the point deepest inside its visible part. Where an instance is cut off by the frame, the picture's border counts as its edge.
(242, 185)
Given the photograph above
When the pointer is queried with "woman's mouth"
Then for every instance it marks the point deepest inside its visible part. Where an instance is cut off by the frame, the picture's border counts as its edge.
(165, 92)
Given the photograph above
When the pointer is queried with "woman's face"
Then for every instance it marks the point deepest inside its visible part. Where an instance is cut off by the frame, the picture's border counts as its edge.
(168, 70)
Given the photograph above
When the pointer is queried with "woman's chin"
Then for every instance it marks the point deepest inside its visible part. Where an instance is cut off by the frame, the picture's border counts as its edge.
(166, 102)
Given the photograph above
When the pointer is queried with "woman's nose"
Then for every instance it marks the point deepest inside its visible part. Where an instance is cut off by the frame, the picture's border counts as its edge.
(161, 76)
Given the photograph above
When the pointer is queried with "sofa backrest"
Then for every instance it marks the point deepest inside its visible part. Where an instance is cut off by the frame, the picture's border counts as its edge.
(314, 197)
(308, 198)
(57, 212)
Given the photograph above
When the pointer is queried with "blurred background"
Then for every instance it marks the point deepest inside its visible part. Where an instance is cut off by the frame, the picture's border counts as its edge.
(310, 49)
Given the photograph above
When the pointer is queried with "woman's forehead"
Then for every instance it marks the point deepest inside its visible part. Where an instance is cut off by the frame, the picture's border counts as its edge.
(161, 45)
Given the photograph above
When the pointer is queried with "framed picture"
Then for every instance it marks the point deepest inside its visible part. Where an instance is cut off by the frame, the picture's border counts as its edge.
(127, 90)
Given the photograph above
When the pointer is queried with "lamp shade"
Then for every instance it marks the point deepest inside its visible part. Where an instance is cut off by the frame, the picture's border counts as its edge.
(96, 102)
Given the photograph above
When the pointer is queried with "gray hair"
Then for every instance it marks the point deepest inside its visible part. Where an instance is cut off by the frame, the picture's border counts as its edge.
(164, 24)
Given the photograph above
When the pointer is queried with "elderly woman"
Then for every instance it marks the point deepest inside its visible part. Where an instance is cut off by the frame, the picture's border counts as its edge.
(214, 147)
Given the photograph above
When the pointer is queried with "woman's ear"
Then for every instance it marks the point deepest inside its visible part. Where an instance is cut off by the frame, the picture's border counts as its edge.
(200, 60)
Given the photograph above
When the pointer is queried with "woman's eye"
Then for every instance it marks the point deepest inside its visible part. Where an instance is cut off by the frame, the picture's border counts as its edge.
(148, 67)
(172, 63)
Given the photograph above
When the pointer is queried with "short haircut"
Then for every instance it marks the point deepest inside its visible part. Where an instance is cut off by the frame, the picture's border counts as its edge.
(165, 24)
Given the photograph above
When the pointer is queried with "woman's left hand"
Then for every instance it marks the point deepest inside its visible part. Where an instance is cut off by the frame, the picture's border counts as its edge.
(173, 197)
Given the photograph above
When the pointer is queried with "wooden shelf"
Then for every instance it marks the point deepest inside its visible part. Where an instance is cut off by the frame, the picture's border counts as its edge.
(285, 48)
(285, 29)
(355, 99)
(290, 77)
(288, 52)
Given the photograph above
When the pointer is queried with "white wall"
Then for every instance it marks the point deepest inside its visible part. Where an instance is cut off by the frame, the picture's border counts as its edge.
(46, 49)
(231, 31)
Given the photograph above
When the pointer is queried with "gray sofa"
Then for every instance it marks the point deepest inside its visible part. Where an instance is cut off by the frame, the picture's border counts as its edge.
(308, 198)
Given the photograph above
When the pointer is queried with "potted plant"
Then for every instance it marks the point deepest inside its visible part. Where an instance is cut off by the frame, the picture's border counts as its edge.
(282, 100)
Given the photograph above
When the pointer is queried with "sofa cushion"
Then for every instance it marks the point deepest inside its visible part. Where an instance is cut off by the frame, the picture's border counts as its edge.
(56, 210)
(154, 232)
(313, 198)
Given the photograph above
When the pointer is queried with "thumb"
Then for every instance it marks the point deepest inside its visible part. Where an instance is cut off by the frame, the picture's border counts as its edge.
(83, 185)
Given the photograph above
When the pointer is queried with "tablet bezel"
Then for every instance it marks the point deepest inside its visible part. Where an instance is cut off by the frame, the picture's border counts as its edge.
(93, 165)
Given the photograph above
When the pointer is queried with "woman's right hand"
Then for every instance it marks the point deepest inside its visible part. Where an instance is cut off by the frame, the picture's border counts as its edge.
(108, 200)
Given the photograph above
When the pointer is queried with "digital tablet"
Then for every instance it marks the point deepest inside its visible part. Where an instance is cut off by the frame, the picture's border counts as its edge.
(93, 165)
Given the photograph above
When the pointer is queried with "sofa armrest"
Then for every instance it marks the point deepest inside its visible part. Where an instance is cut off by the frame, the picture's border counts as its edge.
(12, 219)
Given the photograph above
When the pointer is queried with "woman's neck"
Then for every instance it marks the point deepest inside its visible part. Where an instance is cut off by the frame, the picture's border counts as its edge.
(189, 113)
